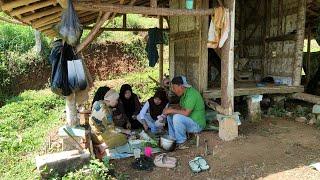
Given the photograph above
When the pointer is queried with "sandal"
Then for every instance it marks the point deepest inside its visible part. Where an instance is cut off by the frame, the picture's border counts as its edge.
(203, 163)
(182, 146)
(162, 160)
(194, 166)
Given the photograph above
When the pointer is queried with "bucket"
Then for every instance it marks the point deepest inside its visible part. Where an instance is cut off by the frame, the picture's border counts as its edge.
(189, 4)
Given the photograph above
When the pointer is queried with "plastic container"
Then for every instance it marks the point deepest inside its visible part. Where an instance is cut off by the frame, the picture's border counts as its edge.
(189, 4)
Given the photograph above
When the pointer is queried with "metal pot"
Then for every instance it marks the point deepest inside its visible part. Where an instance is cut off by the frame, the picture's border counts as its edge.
(167, 143)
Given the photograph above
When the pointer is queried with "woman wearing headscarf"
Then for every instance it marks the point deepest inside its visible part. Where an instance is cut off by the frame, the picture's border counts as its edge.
(151, 114)
(131, 106)
(104, 133)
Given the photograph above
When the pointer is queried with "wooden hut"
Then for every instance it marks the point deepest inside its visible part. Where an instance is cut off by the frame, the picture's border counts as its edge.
(268, 34)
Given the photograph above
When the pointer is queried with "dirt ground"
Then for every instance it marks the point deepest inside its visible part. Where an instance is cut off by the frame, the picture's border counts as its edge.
(272, 149)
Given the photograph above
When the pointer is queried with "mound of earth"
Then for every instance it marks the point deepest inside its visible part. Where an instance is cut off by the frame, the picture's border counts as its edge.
(108, 59)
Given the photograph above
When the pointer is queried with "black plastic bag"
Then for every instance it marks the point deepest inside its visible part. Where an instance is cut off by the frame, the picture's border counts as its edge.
(70, 27)
(59, 73)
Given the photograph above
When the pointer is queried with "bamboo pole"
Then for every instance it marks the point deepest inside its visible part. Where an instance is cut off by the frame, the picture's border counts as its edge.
(142, 10)
(161, 52)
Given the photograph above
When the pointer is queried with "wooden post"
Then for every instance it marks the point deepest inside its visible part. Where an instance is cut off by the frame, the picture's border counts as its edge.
(124, 21)
(227, 63)
(308, 70)
(38, 45)
(161, 53)
(299, 43)
(203, 69)
(153, 3)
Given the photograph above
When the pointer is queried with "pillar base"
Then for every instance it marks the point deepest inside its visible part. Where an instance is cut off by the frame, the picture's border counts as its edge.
(254, 110)
(228, 127)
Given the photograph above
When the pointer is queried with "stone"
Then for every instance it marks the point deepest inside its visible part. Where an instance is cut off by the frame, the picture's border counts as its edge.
(289, 114)
(228, 129)
(312, 121)
(301, 119)
(62, 161)
(254, 110)
(316, 109)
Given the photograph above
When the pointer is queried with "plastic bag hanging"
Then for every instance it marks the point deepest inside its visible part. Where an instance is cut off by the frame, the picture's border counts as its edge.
(70, 28)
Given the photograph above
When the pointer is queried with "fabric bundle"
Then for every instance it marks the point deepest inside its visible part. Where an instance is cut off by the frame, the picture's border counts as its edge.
(219, 28)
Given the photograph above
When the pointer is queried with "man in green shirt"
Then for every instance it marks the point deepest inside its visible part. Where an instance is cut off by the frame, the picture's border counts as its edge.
(190, 115)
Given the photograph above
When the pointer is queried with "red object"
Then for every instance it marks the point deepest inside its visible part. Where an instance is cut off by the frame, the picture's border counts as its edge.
(148, 151)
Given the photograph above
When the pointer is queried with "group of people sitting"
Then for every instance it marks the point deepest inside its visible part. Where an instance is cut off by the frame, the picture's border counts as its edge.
(113, 114)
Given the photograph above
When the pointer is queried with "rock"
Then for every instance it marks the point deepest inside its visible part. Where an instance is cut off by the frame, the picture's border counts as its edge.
(289, 114)
(312, 121)
(301, 119)
(316, 109)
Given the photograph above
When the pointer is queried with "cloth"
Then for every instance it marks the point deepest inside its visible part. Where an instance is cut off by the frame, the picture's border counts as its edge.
(111, 96)
(156, 110)
(101, 92)
(179, 125)
(219, 28)
(192, 100)
(180, 80)
(102, 127)
(155, 37)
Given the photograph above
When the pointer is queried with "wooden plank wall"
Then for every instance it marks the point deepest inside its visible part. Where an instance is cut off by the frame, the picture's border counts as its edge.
(188, 54)
(267, 34)
(249, 34)
(281, 39)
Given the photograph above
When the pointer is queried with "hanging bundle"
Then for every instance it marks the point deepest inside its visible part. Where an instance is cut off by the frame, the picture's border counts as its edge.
(70, 28)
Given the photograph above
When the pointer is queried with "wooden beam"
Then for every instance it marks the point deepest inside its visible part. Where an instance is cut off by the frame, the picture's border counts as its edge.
(42, 14)
(215, 106)
(32, 7)
(12, 21)
(63, 3)
(153, 3)
(300, 23)
(306, 97)
(123, 29)
(227, 64)
(142, 10)
(308, 70)
(14, 4)
(124, 21)
(161, 52)
(288, 37)
(216, 93)
(92, 33)
(46, 19)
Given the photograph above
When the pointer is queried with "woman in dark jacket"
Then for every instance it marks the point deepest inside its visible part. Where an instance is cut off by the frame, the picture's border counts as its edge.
(131, 106)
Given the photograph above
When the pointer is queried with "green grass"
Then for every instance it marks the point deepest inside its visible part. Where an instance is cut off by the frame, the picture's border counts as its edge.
(25, 121)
